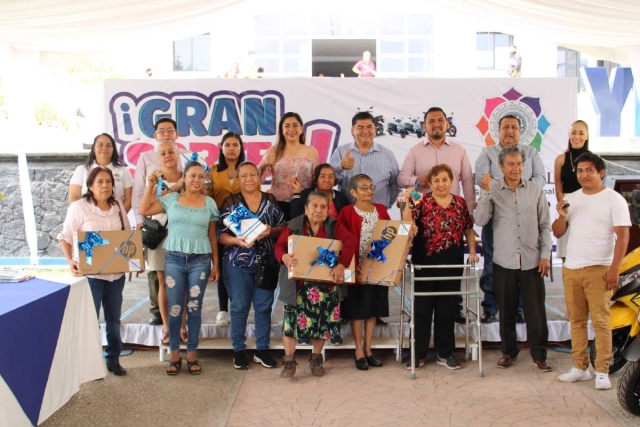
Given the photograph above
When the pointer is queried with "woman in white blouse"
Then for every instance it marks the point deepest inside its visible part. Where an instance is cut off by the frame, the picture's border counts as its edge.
(98, 210)
(103, 153)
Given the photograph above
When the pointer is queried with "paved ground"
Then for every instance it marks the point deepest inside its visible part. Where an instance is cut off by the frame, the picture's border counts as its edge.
(519, 396)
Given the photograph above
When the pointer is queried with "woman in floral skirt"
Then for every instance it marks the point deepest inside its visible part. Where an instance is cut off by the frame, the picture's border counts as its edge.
(311, 309)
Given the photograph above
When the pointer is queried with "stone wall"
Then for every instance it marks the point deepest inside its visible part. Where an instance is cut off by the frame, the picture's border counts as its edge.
(49, 176)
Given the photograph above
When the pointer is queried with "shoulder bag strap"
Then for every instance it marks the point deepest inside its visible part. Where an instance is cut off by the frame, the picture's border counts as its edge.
(120, 215)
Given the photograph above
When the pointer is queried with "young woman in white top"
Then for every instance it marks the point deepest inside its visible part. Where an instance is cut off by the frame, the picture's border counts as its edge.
(103, 153)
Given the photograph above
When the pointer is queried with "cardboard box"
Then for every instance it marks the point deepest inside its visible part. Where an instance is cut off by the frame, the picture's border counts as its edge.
(122, 253)
(389, 272)
(306, 251)
(250, 228)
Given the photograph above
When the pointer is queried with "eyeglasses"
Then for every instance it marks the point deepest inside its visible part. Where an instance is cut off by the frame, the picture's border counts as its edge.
(367, 187)
(161, 131)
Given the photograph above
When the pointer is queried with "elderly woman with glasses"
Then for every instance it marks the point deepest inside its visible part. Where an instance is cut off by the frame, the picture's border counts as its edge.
(311, 309)
(363, 304)
(443, 221)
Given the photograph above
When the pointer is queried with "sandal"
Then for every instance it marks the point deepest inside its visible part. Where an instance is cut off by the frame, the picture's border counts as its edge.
(165, 337)
(177, 365)
(192, 365)
(184, 336)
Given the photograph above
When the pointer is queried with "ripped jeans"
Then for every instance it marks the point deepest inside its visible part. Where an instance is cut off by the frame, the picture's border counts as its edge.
(186, 277)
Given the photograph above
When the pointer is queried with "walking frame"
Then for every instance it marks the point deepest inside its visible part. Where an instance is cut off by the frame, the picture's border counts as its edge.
(470, 278)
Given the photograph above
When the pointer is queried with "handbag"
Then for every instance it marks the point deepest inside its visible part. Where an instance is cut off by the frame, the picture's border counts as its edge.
(153, 233)
(268, 272)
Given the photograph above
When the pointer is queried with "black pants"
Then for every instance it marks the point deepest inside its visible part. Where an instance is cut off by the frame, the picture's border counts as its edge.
(505, 288)
(442, 308)
(223, 295)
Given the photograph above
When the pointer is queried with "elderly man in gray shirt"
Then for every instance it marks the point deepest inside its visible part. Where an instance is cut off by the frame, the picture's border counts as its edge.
(487, 164)
(519, 213)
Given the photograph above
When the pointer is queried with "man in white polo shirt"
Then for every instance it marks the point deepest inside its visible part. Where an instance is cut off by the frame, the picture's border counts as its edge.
(597, 220)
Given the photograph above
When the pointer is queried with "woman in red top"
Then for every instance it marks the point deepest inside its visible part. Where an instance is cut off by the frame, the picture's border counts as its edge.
(311, 309)
(443, 220)
(366, 302)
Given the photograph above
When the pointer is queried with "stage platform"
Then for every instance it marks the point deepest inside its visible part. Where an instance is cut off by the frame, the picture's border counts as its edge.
(137, 331)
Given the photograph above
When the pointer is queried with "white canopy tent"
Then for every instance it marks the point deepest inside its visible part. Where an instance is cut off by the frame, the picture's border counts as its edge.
(607, 29)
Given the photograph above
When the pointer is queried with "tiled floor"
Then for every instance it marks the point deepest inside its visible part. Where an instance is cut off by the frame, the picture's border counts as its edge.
(518, 396)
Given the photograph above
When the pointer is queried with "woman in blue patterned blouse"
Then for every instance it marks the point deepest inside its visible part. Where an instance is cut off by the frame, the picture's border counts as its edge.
(191, 248)
(243, 264)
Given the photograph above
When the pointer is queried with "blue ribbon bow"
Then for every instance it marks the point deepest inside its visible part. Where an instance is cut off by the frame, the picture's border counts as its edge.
(238, 214)
(196, 158)
(91, 239)
(377, 246)
(327, 257)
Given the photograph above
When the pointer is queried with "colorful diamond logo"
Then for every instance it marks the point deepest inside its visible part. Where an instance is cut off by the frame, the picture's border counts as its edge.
(528, 109)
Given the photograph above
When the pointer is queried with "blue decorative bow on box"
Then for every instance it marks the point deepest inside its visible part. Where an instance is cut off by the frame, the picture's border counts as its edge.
(377, 246)
(238, 214)
(327, 257)
(196, 158)
(91, 239)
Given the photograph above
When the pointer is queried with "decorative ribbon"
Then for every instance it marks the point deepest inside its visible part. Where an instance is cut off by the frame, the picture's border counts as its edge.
(377, 246)
(196, 158)
(238, 214)
(91, 239)
(159, 187)
(327, 257)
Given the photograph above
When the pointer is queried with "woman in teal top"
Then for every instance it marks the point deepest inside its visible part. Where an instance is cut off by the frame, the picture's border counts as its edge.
(191, 250)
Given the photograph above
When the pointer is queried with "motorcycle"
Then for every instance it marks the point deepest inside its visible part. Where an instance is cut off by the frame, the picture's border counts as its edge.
(629, 384)
(413, 126)
(397, 126)
(625, 320)
(379, 121)
(453, 130)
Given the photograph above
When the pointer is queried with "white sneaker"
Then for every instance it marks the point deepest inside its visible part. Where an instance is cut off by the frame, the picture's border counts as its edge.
(602, 381)
(222, 319)
(574, 375)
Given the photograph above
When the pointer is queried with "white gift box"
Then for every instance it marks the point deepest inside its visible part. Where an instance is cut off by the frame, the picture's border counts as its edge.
(250, 228)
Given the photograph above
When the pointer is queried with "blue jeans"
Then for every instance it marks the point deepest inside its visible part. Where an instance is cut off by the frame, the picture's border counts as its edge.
(241, 284)
(186, 275)
(489, 303)
(109, 295)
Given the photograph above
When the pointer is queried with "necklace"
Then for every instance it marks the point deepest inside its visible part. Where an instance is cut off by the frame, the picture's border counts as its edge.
(573, 167)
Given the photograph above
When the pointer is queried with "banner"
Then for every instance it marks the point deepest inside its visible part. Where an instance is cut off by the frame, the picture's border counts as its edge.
(206, 109)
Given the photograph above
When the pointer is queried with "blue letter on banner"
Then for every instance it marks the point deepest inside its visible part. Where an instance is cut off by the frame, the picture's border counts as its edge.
(258, 117)
(224, 116)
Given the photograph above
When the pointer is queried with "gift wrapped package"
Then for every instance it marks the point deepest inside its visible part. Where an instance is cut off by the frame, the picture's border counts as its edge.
(102, 252)
(387, 253)
(244, 223)
(316, 257)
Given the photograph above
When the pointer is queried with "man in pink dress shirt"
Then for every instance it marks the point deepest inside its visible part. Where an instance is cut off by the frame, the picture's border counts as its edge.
(165, 130)
(435, 150)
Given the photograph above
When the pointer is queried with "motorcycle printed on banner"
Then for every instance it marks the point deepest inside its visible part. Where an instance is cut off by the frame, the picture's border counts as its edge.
(206, 109)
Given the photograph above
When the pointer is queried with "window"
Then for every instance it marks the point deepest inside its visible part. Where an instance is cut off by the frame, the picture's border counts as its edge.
(492, 51)
(192, 54)
(296, 25)
(568, 62)
(420, 25)
(326, 25)
(392, 25)
(267, 25)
